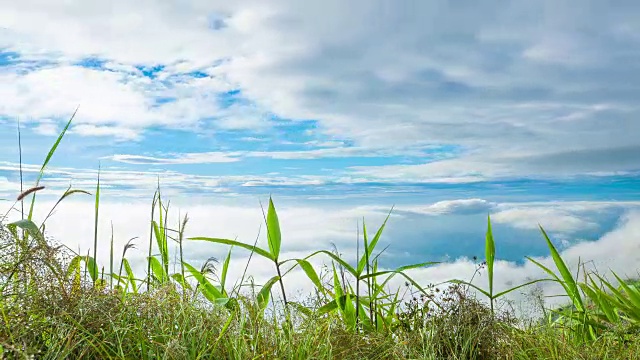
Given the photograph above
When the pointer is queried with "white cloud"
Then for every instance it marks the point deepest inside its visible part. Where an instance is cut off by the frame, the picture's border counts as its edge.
(455, 207)
(616, 250)
(460, 82)
(186, 158)
(47, 128)
(119, 133)
(549, 218)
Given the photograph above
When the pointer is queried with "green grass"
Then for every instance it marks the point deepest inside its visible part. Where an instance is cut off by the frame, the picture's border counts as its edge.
(56, 303)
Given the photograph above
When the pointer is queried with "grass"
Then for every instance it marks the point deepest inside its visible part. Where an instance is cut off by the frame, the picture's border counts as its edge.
(56, 303)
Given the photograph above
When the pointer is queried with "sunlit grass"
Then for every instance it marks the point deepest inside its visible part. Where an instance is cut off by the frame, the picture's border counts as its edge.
(57, 303)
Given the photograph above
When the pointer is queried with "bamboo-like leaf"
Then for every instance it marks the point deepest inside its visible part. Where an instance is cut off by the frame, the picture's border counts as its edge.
(158, 269)
(597, 297)
(74, 265)
(624, 303)
(337, 287)
(301, 308)
(555, 278)
(92, 267)
(206, 288)
(331, 305)
(74, 270)
(160, 234)
(398, 270)
(391, 313)
(263, 295)
(29, 227)
(181, 280)
(407, 277)
(111, 258)
(311, 274)
(130, 277)
(274, 236)
(564, 271)
(95, 225)
(225, 268)
(349, 312)
(337, 259)
(490, 253)
(630, 290)
(255, 249)
(370, 247)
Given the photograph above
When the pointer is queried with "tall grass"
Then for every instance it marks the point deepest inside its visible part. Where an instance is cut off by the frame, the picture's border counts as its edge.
(50, 310)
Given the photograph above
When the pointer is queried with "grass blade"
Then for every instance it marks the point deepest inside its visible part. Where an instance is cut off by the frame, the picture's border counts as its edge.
(255, 249)
(273, 231)
(95, 224)
(490, 253)
(48, 158)
(572, 287)
(132, 279)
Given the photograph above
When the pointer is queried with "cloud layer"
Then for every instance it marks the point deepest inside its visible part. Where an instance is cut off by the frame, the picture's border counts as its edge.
(341, 110)
(519, 90)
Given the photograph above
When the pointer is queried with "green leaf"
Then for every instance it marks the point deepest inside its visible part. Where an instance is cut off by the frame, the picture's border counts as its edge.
(47, 159)
(630, 290)
(161, 239)
(349, 312)
(74, 265)
(576, 302)
(370, 247)
(95, 224)
(462, 282)
(93, 267)
(490, 253)
(255, 249)
(225, 268)
(301, 308)
(263, 295)
(572, 287)
(391, 313)
(330, 306)
(311, 274)
(30, 227)
(207, 289)
(337, 259)
(398, 270)
(407, 277)
(158, 269)
(131, 278)
(597, 297)
(181, 280)
(273, 231)
(337, 287)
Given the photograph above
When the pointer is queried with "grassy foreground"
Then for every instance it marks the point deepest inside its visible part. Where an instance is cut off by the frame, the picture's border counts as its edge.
(58, 304)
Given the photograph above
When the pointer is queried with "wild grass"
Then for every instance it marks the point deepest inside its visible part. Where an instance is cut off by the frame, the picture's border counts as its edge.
(56, 303)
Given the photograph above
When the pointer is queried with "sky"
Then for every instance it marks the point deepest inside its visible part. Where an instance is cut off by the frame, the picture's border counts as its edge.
(446, 111)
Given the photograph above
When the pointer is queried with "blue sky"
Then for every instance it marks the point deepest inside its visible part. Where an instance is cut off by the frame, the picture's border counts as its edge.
(448, 111)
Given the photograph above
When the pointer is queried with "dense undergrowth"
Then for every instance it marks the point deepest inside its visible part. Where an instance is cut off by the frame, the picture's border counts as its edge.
(58, 304)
